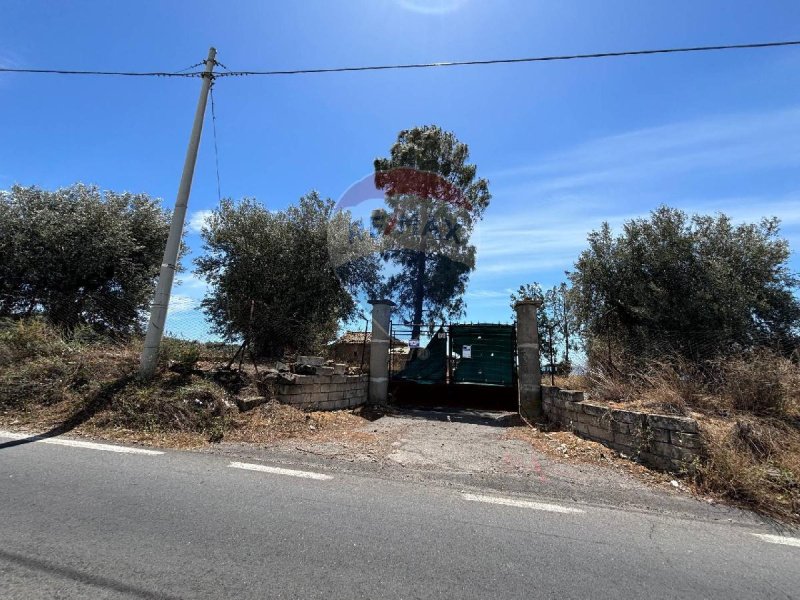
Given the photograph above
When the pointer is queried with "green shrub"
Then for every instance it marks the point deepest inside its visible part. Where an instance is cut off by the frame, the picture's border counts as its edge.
(26, 339)
(180, 355)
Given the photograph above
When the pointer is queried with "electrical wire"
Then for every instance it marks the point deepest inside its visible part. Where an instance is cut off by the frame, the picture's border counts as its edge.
(216, 151)
(595, 55)
(116, 73)
(515, 60)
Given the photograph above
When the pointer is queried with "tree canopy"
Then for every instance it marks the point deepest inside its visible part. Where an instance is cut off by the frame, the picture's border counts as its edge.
(433, 200)
(556, 319)
(80, 256)
(272, 275)
(698, 286)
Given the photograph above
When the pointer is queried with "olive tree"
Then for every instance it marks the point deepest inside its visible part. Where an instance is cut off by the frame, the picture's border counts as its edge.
(80, 256)
(699, 286)
(272, 276)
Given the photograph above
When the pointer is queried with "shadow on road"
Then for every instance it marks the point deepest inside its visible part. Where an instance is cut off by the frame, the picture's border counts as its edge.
(97, 402)
(463, 415)
(80, 576)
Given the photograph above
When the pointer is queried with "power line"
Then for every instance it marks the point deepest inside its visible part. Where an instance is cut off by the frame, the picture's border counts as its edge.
(498, 61)
(514, 60)
(120, 73)
(216, 151)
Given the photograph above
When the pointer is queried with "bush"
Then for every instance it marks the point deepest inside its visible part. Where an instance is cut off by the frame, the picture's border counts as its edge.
(197, 406)
(180, 355)
(26, 339)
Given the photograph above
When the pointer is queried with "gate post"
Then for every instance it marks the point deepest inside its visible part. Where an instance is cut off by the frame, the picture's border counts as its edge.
(529, 374)
(379, 351)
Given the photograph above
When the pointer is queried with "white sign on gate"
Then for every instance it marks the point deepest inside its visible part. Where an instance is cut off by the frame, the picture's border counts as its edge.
(466, 352)
(413, 343)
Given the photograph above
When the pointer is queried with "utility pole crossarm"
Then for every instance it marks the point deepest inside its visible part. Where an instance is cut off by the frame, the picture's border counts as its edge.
(158, 310)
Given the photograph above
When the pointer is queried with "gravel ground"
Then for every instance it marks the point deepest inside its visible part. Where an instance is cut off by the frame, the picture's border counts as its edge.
(475, 449)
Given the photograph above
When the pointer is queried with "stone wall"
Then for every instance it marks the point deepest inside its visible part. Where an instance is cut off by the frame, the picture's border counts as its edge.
(322, 391)
(662, 441)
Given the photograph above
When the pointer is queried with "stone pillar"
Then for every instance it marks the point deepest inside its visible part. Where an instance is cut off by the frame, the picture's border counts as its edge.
(379, 351)
(529, 373)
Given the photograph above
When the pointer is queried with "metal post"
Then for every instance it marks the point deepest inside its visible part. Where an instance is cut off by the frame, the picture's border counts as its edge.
(529, 377)
(158, 310)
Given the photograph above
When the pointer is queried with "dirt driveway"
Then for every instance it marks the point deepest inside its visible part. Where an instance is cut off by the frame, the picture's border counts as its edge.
(482, 449)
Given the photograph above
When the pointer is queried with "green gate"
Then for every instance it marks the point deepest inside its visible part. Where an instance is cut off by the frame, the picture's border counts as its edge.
(482, 354)
(455, 364)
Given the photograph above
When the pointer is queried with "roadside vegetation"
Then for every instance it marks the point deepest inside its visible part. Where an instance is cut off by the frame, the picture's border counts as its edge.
(679, 314)
(86, 384)
(696, 316)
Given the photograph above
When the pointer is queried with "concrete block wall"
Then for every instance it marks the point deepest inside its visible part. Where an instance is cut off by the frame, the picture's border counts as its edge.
(324, 392)
(665, 442)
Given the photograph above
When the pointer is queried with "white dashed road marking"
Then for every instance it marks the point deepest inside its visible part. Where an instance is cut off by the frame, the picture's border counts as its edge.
(521, 503)
(279, 471)
(77, 444)
(778, 539)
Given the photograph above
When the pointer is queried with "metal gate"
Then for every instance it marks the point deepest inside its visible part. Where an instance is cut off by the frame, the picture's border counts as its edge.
(457, 364)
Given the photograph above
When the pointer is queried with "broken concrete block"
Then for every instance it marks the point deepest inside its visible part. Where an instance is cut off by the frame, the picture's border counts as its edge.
(313, 361)
(250, 402)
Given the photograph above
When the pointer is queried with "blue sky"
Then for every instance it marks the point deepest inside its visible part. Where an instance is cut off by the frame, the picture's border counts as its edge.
(565, 145)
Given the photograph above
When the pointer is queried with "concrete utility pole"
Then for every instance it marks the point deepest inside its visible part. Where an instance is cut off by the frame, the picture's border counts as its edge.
(158, 311)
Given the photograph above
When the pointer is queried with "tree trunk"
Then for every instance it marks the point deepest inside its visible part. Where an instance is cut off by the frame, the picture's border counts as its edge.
(419, 296)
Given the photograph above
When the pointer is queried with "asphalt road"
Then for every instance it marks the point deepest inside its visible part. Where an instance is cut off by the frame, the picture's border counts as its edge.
(85, 522)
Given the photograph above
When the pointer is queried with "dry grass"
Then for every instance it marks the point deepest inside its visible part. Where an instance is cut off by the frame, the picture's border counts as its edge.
(568, 382)
(753, 462)
(565, 445)
(48, 383)
(748, 407)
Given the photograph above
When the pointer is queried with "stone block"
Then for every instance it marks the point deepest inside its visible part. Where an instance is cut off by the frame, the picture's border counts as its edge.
(312, 361)
(572, 395)
(657, 435)
(589, 419)
(326, 370)
(693, 441)
(594, 409)
(628, 416)
(672, 452)
(250, 402)
(340, 369)
(579, 427)
(549, 391)
(620, 427)
(601, 433)
(684, 424)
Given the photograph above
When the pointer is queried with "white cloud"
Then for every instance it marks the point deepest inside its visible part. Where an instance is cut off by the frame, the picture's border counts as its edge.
(197, 220)
(192, 282)
(432, 7)
(180, 303)
(542, 213)
(723, 143)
